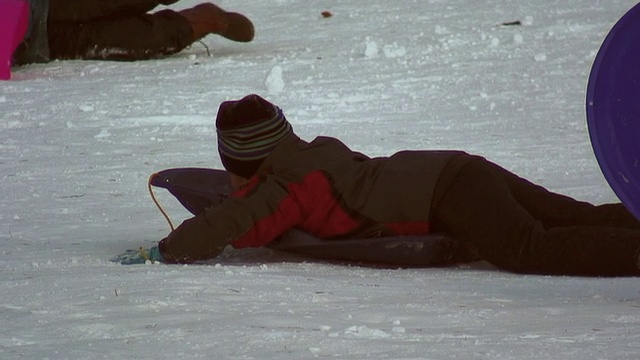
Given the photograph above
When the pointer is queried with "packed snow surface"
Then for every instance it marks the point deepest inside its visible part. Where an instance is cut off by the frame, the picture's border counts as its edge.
(78, 140)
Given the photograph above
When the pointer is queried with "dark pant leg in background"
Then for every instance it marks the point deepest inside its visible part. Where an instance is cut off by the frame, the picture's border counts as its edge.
(88, 10)
(479, 207)
(138, 37)
(555, 210)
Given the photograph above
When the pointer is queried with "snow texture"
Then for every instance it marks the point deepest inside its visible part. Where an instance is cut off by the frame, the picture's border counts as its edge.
(78, 140)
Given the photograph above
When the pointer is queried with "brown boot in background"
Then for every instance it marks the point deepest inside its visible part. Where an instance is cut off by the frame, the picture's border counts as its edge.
(208, 19)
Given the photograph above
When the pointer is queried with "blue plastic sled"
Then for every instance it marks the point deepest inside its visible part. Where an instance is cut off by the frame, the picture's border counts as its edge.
(198, 189)
(613, 109)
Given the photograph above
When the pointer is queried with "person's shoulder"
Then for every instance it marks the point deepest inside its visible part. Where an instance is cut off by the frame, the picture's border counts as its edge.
(298, 156)
(328, 141)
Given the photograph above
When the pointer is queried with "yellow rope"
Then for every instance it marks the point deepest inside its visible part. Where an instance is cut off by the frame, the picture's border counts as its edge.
(153, 197)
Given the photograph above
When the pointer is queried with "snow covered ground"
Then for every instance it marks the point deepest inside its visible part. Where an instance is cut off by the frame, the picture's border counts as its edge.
(78, 140)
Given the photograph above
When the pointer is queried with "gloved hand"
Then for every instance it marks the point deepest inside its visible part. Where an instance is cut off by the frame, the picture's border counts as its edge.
(140, 256)
(192, 241)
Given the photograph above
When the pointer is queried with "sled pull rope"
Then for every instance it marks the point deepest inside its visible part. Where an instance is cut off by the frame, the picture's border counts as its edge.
(155, 201)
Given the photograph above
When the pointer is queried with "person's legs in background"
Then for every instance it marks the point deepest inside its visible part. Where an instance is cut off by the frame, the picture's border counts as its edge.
(144, 36)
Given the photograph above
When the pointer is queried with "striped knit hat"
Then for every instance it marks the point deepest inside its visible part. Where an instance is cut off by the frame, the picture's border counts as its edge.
(248, 130)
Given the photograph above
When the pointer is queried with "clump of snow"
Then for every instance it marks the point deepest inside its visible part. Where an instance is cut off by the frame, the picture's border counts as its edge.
(394, 50)
(371, 49)
(274, 81)
(541, 57)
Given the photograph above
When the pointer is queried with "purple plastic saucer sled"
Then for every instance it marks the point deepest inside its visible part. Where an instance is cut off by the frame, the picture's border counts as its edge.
(613, 109)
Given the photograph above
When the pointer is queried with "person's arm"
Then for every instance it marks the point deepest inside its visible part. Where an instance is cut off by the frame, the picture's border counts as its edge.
(87, 10)
(255, 220)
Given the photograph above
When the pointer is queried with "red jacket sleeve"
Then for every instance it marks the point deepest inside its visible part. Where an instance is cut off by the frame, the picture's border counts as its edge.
(310, 204)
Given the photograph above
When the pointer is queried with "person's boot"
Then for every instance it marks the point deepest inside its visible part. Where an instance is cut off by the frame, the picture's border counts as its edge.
(210, 19)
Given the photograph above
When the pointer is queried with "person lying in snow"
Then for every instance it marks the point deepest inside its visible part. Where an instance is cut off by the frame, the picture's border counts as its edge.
(121, 29)
(324, 188)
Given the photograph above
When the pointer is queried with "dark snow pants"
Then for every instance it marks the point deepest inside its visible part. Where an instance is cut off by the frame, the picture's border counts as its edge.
(522, 227)
(115, 30)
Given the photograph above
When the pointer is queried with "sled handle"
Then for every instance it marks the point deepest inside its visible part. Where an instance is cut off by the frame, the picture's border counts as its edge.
(155, 201)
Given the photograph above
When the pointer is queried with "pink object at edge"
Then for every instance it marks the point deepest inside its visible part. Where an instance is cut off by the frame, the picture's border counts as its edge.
(14, 21)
